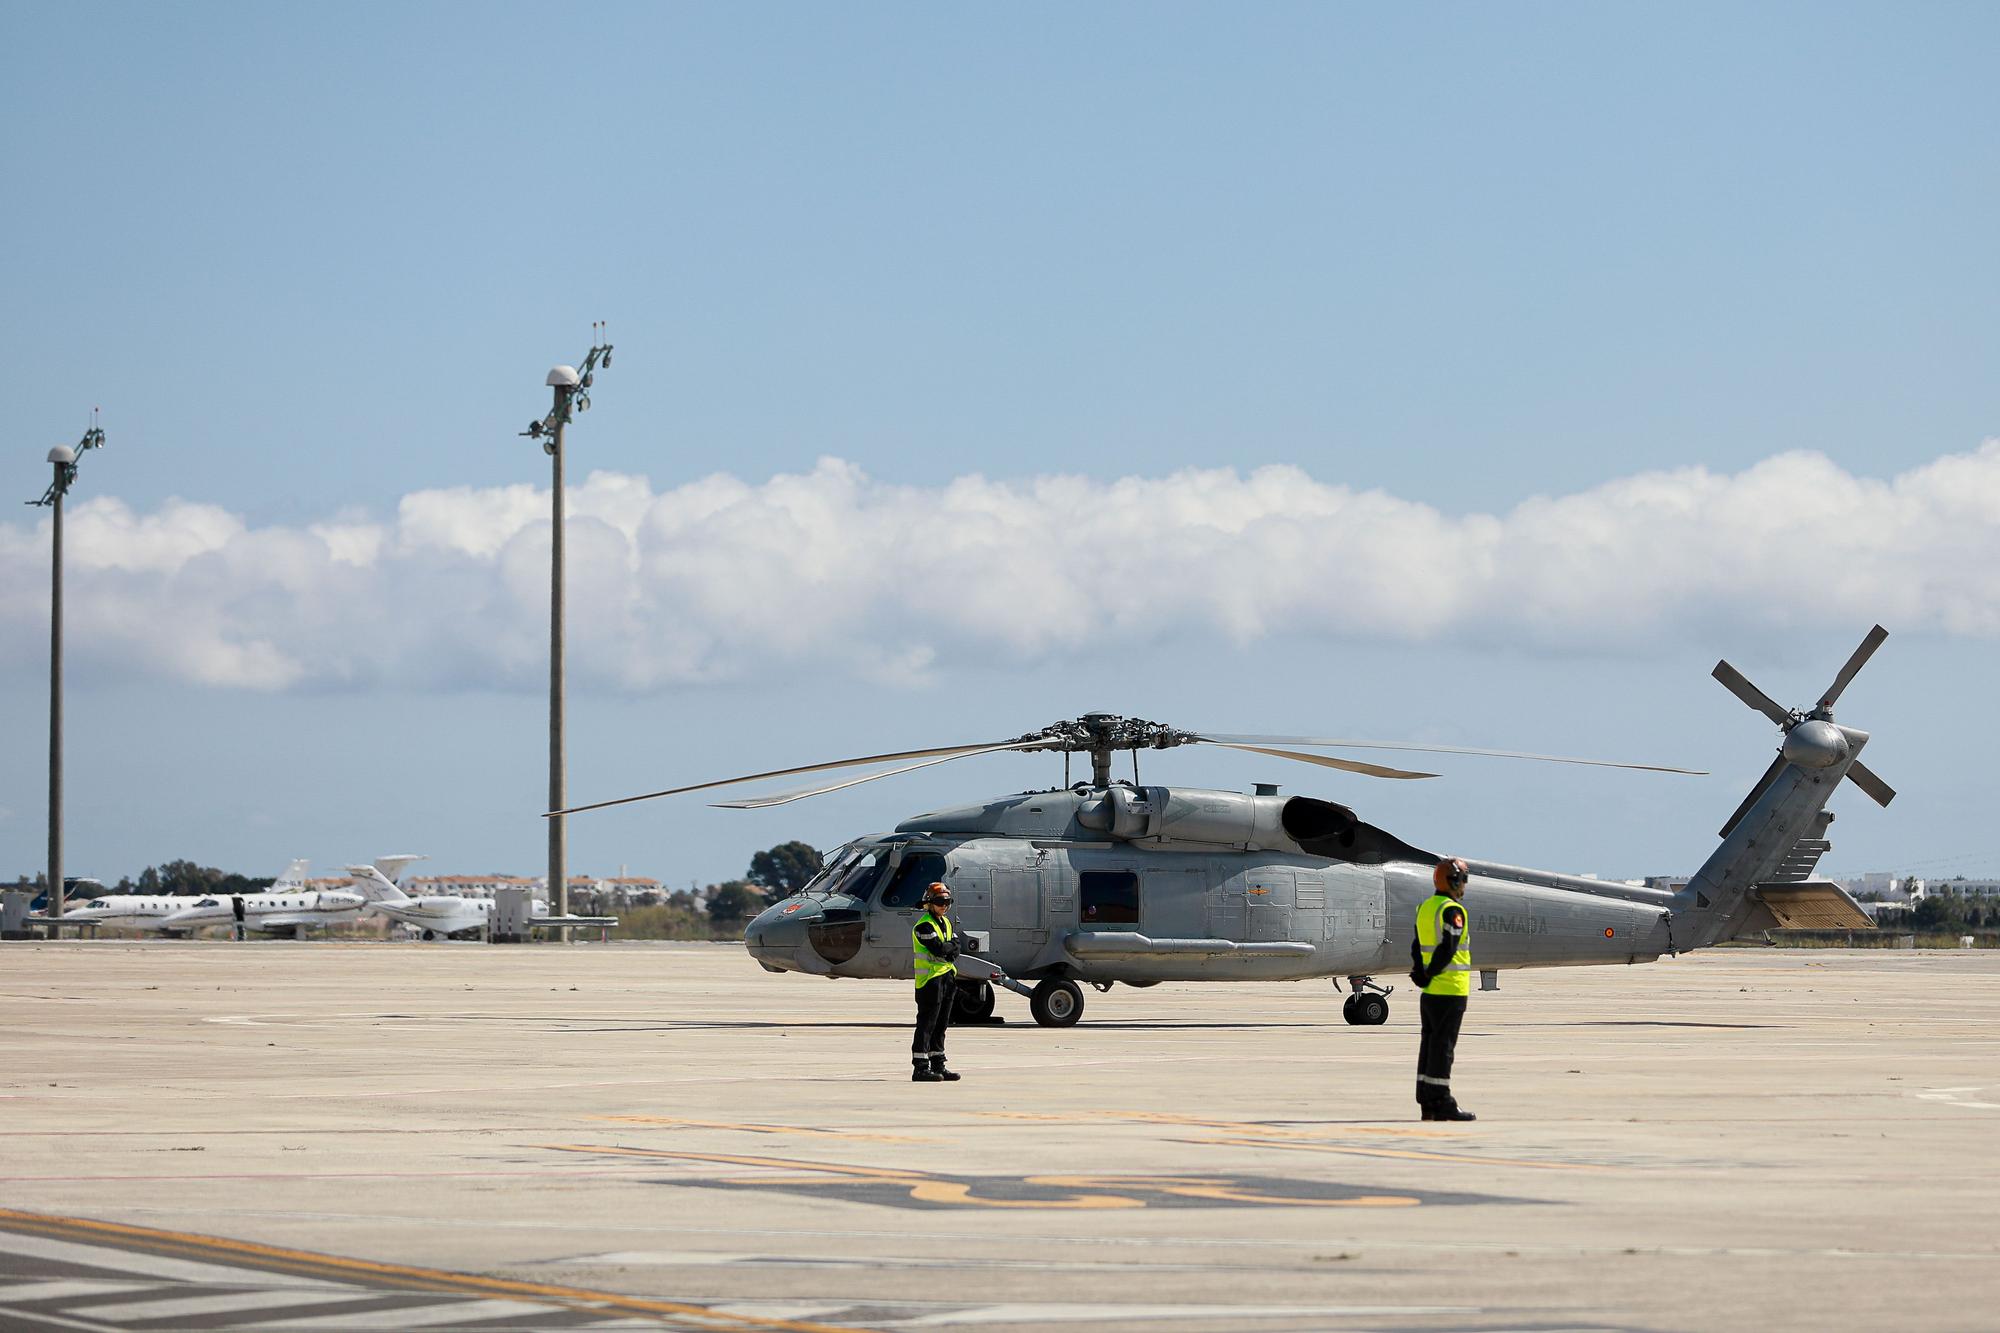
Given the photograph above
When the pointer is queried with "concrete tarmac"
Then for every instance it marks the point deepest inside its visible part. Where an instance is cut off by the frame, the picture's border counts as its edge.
(1734, 1139)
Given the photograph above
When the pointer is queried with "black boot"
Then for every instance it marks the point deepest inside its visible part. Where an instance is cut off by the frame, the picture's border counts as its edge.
(938, 1071)
(1450, 1111)
(921, 1072)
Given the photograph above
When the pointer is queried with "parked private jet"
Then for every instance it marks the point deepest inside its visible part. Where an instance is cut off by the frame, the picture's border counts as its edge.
(287, 907)
(446, 915)
(126, 911)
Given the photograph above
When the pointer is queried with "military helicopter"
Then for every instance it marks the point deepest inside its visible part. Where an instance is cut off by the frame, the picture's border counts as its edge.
(1110, 881)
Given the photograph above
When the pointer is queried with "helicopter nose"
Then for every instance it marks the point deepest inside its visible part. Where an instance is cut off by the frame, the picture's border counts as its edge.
(775, 936)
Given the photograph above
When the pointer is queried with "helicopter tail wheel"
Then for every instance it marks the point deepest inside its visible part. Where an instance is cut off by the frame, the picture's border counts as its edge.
(1056, 1004)
(973, 1002)
(1370, 1010)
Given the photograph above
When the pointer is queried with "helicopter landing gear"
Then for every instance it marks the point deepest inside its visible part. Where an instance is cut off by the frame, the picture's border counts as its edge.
(1368, 1006)
(972, 1002)
(1056, 1004)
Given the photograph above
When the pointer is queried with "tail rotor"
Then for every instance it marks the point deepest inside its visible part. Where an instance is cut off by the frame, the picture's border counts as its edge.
(1811, 739)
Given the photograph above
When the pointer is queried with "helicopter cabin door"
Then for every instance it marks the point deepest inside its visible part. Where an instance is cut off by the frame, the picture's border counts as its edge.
(1017, 908)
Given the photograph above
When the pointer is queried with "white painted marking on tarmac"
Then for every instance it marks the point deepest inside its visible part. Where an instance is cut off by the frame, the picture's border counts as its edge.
(220, 1302)
(418, 1316)
(782, 1309)
(11, 1318)
(1956, 1097)
(154, 1265)
(58, 1290)
(1053, 1313)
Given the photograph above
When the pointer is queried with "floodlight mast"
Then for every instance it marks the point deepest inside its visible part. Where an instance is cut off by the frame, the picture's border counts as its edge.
(572, 394)
(64, 459)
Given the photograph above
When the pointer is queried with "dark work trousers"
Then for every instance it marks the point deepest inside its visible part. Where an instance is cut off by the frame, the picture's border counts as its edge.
(933, 1017)
(1442, 1016)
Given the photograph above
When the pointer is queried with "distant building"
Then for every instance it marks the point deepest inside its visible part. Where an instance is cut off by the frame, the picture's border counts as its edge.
(1964, 888)
(624, 890)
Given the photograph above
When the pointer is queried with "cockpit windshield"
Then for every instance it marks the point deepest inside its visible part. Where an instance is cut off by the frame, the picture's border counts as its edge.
(209, 902)
(852, 871)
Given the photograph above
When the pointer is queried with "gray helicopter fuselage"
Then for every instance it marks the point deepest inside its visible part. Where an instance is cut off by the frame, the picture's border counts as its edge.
(1148, 884)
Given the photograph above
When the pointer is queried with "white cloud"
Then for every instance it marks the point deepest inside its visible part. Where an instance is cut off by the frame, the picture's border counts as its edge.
(832, 570)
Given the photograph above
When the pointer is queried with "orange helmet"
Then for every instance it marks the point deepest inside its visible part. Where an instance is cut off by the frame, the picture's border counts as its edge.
(937, 894)
(1448, 874)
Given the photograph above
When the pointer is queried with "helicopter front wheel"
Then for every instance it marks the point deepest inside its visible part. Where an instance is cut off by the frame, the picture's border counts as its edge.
(1366, 1009)
(1056, 1004)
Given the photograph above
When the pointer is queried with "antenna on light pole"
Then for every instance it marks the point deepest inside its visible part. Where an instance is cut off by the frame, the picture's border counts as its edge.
(572, 395)
(64, 459)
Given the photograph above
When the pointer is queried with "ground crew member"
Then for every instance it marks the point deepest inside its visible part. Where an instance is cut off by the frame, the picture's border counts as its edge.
(1441, 963)
(933, 946)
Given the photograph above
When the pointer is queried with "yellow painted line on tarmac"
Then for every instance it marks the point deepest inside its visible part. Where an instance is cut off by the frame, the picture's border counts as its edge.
(188, 1244)
(681, 1122)
(1411, 1154)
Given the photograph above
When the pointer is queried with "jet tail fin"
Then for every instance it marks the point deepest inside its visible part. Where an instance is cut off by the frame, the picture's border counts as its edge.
(376, 887)
(392, 867)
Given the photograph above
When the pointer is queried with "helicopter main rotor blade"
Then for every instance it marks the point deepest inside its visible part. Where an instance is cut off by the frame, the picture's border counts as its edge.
(1446, 749)
(1879, 791)
(946, 751)
(1323, 760)
(1854, 664)
(1739, 685)
(786, 797)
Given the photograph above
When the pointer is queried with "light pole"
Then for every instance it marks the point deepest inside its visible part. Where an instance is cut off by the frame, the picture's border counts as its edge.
(64, 459)
(572, 394)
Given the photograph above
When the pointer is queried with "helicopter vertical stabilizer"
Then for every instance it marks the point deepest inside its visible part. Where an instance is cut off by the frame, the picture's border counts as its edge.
(1775, 835)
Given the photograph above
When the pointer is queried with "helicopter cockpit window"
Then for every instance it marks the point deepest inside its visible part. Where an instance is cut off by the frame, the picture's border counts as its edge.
(830, 874)
(917, 873)
(1109, 897)
(857, 877)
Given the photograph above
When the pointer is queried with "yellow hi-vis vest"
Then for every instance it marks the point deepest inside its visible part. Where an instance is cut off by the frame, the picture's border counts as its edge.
(929, 966)
(1456, 979)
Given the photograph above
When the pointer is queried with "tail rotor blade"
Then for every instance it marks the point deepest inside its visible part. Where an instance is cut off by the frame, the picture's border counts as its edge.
(1878, 791)
(1756, 793)
(1854, 664)
(1739, 685)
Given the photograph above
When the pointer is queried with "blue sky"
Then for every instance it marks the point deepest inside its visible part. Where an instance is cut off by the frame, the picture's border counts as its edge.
(312, 262)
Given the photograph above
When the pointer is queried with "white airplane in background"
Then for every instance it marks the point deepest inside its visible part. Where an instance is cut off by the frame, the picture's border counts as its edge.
(130, 911)
(286, 908)
(447, 915)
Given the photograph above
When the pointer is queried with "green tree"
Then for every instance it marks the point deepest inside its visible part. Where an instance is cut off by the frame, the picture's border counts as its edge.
(784, 870)
(730, 902)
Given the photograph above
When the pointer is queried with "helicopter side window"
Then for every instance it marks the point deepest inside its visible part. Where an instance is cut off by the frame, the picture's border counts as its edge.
(917, 873)
(1109, 897)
